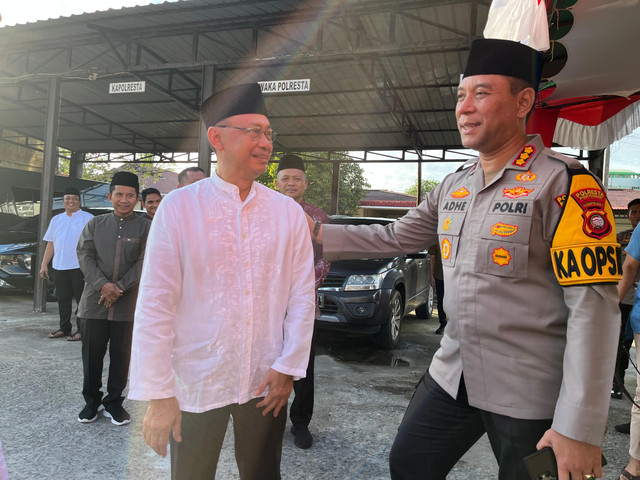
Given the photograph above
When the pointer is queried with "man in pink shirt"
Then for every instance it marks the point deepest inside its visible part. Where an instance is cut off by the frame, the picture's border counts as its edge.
(225, 314)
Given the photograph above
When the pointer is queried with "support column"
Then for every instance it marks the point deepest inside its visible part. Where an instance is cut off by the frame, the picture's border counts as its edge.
(46, 187)
(596, 163)
(335, 187)
(204, 147)
(76, 163)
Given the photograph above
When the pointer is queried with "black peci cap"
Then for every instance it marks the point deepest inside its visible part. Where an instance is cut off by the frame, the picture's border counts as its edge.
(72, 191)
(491, 56)
(290, 161)
(236, 100)
(127, 179)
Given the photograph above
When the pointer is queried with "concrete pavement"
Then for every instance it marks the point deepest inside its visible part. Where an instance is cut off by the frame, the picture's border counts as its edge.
(361, 395)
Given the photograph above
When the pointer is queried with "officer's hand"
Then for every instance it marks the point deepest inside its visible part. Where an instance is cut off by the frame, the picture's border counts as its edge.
(575, 459)
(44, 271)
(162, 416)
(280, 386)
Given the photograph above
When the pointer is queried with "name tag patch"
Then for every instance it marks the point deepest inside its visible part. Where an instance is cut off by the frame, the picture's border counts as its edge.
(454, 206)
(584, 264)
(510, 207)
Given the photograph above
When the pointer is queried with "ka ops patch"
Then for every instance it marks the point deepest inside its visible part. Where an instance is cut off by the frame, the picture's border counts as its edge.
(584, 249)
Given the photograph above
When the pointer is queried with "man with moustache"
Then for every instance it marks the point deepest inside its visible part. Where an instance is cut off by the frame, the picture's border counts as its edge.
(226, 308)
(530, 260)
(110, 252)
(291, 180)
(62, 239)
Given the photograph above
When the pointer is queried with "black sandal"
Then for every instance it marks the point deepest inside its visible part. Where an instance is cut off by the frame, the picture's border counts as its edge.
(628, 476)
(75, 337)
(57, 334)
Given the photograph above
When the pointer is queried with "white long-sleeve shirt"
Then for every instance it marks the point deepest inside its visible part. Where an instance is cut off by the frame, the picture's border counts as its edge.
(227, 292)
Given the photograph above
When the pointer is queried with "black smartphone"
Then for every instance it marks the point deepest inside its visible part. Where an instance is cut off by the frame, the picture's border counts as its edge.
(542, 465)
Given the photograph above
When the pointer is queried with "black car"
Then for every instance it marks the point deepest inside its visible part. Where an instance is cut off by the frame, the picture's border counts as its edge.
(372, 296)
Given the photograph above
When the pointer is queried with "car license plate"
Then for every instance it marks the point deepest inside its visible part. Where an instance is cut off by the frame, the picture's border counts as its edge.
(321, 300)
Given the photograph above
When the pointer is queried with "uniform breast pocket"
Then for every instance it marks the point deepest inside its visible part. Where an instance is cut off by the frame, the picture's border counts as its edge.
(130, 249)
(449, 228)
(503, 247)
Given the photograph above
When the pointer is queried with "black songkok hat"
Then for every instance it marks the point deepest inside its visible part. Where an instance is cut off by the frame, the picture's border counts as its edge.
(71, 191)
(491, 56)
(127, 179)
(236, 100)
(290, 161)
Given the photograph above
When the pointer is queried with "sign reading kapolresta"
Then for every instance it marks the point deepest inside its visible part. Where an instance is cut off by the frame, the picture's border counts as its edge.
(286, 86)
(126, 87)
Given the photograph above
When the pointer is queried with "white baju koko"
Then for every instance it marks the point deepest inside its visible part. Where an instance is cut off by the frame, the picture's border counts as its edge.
(227, 292)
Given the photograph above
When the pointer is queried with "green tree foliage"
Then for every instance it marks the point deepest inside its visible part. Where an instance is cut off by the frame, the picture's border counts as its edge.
(103, 172)
(427, 186)
(352, 187)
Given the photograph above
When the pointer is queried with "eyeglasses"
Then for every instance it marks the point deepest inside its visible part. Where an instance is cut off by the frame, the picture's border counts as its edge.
(254, 133)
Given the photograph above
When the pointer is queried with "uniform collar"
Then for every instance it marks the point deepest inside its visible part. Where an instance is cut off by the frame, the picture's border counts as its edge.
(522, 160)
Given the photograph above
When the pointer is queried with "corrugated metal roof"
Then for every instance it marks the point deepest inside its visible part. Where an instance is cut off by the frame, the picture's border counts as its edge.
(619, 199)
(383, 73)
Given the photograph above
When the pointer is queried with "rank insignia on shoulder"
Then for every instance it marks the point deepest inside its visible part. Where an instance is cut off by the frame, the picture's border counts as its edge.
(526, 176)
(517, 192)
(524, 156)
(501, 256)
(461, 193)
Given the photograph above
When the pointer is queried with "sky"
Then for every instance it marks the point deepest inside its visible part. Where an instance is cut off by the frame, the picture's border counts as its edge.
(625, 154)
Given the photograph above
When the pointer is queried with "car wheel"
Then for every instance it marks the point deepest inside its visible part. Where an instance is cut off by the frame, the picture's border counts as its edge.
(425, 310)
(388, 335)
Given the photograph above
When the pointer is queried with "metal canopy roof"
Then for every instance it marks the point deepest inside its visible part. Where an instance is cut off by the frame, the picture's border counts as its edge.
(383, 73)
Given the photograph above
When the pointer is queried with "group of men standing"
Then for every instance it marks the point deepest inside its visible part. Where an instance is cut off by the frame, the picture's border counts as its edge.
(97, 261)
(226, 302)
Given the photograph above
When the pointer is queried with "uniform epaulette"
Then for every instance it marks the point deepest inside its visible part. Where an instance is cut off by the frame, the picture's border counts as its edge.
(570, 162)
(467, 164)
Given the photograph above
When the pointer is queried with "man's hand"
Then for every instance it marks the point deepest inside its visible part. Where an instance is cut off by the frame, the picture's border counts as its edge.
(162, 416)
(575, 459)
(109, 294)
(280, 386)
(312, 226)
(44, 271)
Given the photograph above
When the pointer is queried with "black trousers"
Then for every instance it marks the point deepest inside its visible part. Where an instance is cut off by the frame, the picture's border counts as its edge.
(302, 405)
(69, 285)
(437, 430)
(96, 334)
(442, 316)
(624, 344)
(257, 442)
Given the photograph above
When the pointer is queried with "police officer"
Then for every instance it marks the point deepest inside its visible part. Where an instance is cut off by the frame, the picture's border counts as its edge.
(530, 260)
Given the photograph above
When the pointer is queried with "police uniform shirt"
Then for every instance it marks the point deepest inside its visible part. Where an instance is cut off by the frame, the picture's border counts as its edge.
(530, 264)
